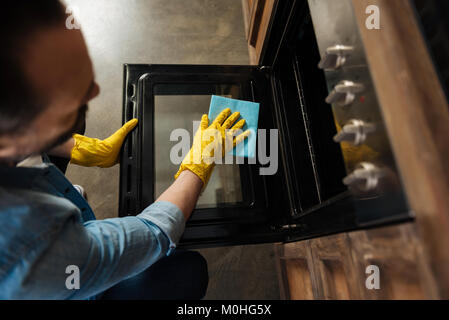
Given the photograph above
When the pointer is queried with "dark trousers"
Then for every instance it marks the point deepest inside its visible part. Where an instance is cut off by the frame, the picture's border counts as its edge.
(182, 275)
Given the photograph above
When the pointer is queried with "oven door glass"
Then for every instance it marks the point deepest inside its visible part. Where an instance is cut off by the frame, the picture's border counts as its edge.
(181, 111)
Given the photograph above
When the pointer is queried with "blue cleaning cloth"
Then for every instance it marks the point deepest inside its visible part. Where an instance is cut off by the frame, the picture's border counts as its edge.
(248, 111)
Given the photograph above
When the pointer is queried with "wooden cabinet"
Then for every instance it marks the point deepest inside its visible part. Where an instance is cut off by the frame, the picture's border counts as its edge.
(257, 15)
(296, 271)
(334, 267)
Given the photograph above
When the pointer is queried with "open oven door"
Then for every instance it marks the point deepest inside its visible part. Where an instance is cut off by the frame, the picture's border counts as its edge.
(304, 197)
(239, 205)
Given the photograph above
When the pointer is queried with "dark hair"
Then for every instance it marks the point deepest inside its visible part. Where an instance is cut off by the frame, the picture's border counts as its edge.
(19, 20)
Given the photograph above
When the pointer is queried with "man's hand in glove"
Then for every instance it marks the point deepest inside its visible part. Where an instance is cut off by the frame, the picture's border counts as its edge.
(90, 152)
(219, 136)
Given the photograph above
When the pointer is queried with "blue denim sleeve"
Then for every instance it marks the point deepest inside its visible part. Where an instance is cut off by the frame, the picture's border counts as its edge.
(168, 218)
(105, 252)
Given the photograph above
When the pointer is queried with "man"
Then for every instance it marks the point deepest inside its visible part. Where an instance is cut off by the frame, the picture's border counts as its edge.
(48, 233)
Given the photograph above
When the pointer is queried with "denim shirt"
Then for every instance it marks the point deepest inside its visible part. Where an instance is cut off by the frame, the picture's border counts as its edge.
(47, 229)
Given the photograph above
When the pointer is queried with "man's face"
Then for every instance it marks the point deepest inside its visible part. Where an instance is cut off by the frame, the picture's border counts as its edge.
(58, 66)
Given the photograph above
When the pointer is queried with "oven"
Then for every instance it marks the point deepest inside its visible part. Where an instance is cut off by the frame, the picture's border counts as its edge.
(335, 170)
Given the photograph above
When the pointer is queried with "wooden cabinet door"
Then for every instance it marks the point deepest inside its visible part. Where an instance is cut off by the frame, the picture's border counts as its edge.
(337, 276)
(335, 267)
(395, 251)
(295, 270)
(257, 16)
(317, 269)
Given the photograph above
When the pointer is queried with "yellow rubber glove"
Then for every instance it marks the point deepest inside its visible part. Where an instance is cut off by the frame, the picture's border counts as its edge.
(218, 136)
(90, 152)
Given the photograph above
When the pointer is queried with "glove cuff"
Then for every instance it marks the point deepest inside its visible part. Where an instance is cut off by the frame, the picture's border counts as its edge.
(201, 172)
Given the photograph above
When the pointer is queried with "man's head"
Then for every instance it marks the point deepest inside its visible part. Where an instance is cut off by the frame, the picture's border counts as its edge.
(46, 78)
